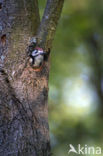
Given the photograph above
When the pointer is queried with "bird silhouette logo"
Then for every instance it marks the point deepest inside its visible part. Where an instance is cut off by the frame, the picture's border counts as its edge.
(72, 149)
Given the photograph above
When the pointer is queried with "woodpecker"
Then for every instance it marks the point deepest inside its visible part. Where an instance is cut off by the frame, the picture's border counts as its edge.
(37, 58)
(37, 55)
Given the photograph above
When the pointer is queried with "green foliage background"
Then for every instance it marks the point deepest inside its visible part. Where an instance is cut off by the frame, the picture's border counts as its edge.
(74, 102)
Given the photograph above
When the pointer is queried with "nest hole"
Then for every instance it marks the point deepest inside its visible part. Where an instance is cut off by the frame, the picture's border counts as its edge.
(0, 6)
(3, 39)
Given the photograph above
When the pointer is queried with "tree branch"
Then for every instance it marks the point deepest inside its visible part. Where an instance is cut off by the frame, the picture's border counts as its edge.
(35, 16)
(46, 31)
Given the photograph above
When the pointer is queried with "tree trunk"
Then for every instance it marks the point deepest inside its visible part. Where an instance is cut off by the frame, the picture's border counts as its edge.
(24, 129)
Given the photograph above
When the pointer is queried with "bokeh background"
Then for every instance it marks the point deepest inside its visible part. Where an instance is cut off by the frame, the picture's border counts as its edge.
(76, 77)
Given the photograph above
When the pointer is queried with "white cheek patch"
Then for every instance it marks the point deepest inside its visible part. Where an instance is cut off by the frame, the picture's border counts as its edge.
(35, 53)
(40, 51)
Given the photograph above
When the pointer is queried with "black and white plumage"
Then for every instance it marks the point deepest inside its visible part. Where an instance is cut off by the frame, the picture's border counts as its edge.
(37, 58)
(37, 55)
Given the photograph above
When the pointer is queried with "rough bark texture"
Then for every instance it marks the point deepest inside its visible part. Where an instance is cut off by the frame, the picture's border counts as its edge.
(24, 129)
(49, 22)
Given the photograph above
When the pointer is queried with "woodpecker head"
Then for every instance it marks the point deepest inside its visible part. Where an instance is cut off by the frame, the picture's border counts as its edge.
(36, 55)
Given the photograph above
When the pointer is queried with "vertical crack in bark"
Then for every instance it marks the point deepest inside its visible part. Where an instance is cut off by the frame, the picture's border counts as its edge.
(22, 112)
(12, 94)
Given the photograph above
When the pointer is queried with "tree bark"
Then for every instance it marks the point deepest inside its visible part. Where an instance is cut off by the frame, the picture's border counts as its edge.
(24, 129)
